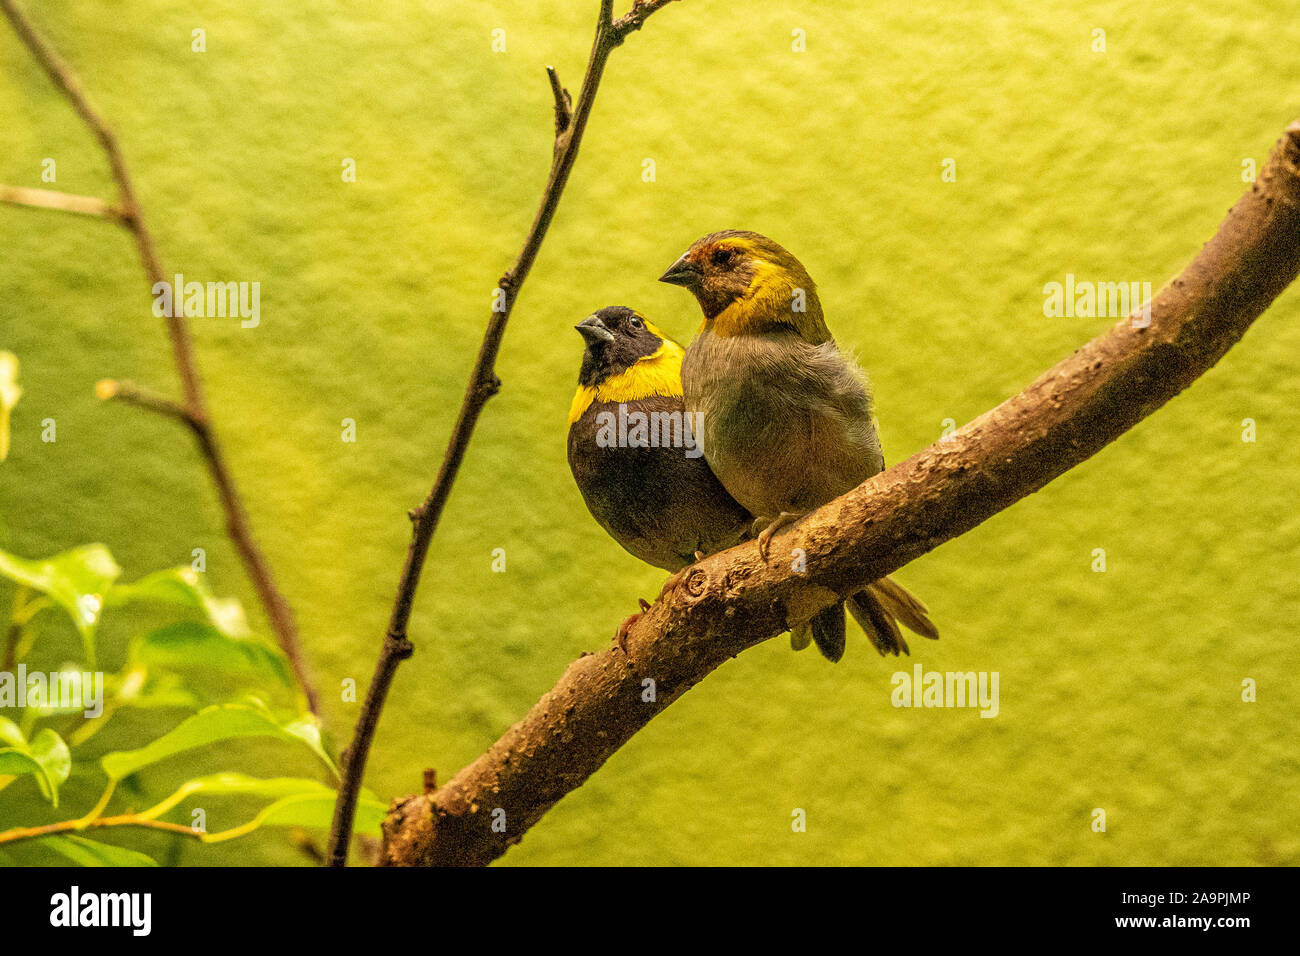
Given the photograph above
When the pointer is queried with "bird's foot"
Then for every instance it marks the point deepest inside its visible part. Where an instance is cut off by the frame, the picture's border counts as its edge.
(783, 520)
(620, 637)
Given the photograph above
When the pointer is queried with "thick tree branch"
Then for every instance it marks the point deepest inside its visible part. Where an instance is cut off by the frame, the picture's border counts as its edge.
(732, 601)
(129, 214)
(483, 384)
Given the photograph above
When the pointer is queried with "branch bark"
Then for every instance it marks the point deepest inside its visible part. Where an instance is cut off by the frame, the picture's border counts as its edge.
(130, 216)
(483, 384)
(733, 600)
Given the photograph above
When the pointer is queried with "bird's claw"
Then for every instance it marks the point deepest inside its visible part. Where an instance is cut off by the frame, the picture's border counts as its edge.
(620, 636)
(783, 520)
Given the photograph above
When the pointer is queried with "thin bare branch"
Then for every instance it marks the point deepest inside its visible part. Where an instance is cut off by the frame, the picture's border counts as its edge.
(483, 384)
(734, 600)
(130, 215)
(17, 834)
(563, 104)
(60, 201)
(636, 17)
(66, 81)
(131, 394)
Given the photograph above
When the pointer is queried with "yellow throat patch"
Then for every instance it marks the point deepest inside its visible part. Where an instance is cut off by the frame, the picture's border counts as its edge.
(659, 373)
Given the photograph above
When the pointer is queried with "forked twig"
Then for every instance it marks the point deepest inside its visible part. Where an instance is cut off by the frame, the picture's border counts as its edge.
(483, 384)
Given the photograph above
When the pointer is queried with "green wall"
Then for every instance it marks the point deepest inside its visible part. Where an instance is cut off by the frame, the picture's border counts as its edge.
(1119, 690)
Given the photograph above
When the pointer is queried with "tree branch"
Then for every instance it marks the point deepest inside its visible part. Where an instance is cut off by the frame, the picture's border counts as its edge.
(76, 826)
(563, 105)
(63, 202)
(636, 17)
(733, 600)
(483, 384)
(129, 214)
(131, 394)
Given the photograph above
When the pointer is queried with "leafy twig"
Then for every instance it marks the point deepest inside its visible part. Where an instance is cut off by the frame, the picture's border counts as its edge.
(194, 410)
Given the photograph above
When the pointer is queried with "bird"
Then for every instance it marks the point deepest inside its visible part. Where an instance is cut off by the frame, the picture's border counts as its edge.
(633, 452)
(787, 422)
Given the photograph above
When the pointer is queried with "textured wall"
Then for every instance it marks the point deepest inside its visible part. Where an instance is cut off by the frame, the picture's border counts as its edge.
(1119, 690)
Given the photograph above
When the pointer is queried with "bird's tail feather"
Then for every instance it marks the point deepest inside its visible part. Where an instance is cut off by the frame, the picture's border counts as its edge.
(881, 606)
(905, 606)
(828, 632)
(879, 609)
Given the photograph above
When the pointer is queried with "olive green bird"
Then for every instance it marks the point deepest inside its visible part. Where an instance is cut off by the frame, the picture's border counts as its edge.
(787, 422)
(633, 451)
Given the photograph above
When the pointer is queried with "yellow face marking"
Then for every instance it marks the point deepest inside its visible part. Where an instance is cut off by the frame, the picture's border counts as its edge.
(659, 373)
(771, 301)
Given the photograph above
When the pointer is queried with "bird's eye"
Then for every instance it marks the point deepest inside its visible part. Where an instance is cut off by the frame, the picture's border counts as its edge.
(721, 256)
(636, 324)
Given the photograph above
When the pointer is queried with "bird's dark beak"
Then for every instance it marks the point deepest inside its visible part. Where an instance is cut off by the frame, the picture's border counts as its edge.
(594, 331)
(683, 273)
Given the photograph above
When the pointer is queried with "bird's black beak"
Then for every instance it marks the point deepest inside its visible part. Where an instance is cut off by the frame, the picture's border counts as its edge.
(683, 273)
(594, 331)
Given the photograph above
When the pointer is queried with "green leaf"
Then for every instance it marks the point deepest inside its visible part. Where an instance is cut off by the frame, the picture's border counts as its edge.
(54, 757)
(92, 853)
(212, 724)
(184, 587)
(316, 811)
(66, 691)
(10, 735)
(77, 580)
(306, 728)
(141, 690)
(195, 645)
(299, 802)
(46, 756)
(15, 761)
(9, 395)
(136, 687)
(244, 785)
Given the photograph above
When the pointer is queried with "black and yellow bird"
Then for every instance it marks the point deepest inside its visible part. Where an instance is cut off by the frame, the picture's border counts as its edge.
(633, 450)
(787, 422)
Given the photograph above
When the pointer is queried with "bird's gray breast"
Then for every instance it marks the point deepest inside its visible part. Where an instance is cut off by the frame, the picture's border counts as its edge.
(786, 426)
